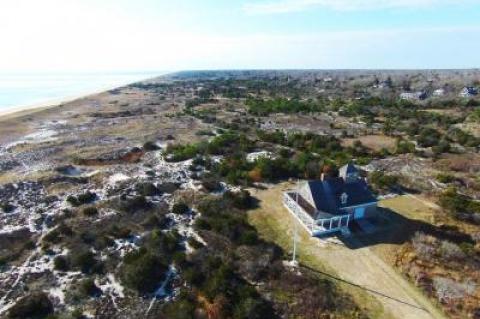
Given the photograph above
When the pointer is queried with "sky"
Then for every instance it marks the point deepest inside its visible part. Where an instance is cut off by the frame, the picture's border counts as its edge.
(165, 35)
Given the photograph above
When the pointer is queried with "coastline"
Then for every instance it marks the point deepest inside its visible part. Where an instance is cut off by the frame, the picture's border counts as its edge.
(22, 110)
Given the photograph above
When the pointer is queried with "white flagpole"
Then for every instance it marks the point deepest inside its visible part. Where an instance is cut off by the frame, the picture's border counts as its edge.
(294, 259)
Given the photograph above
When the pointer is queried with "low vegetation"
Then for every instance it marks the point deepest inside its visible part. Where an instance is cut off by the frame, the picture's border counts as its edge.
(139, 229)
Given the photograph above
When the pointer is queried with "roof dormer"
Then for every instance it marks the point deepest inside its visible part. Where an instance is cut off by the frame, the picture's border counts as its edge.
(349, 173)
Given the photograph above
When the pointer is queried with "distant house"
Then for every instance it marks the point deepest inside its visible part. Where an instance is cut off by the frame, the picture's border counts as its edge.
(387, 84)
(439, 92)
(469, 91)
(411, 96)
(332, 204)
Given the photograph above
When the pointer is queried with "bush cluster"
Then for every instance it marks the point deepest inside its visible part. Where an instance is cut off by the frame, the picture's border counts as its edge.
(281, 105)
(144, 269)
(35, 305)
(82, 199)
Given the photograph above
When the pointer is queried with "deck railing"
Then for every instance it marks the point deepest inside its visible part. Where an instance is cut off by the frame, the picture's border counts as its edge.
(315, 227)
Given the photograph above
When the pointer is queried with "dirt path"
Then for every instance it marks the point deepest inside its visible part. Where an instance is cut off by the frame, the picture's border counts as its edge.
(359, 271)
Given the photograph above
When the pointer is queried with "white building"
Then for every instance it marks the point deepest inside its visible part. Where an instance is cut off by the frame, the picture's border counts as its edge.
(421, 95)
(439, 92)
(332, 204)
(469, 91)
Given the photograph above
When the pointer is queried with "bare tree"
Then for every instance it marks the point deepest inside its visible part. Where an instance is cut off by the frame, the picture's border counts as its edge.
(449, 290)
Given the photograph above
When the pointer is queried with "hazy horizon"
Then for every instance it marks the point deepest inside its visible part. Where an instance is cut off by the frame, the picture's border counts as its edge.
(77, 35)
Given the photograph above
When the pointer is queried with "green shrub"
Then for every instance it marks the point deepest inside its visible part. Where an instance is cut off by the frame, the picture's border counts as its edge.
(7, 207)
(85, 260)
(442, 147)
(252, 308)
(119, 231)
(81, 199)
(147, 189)
(180, 208)
(404, 147)
(281, 105)
(53, 236)
(143, 271)
(240, 200)
(195, 244)
(382, 181)
(163, 243)
(456, 203)
(36, 306)
(150, 146)
(218, 282)
(60, 263)
(103, 241)
(90, 211)
(87, 197)
(249, 237)
(445, 178)
(153, 221)
(428, 137)
(222, 216)
(211, 185)
(72, 200)
(180, 309)
(134, 204)
(29, 245)
(204, 133)
(89, 288)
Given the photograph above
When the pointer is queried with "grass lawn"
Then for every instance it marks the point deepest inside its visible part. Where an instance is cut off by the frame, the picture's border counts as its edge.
(275, 224)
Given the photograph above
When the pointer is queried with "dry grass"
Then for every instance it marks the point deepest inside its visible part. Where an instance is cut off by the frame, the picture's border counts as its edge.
(452, 112)
(274, 223)
(359, 266)
(422, 209)
(413, 207)
(374, 142)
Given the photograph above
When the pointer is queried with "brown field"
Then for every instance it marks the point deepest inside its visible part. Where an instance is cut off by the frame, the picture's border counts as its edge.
(453, 112)
(374, 142)
(378, 287)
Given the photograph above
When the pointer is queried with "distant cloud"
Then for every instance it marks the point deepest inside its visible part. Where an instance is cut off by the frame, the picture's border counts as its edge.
(287, 6)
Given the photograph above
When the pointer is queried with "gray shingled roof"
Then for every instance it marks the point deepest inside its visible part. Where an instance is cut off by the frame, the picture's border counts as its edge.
(327, 193)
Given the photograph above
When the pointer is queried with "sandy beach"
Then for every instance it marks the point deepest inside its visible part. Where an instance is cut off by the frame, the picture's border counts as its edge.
(25, 110)
(21, 110)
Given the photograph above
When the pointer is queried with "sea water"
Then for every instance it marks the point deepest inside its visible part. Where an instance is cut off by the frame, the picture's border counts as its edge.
(23, 90)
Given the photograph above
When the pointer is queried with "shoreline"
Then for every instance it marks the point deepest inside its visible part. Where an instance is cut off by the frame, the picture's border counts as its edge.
(23, 110)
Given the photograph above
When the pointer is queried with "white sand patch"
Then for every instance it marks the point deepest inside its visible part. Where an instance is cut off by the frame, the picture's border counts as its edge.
(111, 287)
(57, 294)
(10, 229)
(92, 173)
(41, 136)
(252, 157)
(124, 246)
(216, 158)
(161, 291)
(118, 177)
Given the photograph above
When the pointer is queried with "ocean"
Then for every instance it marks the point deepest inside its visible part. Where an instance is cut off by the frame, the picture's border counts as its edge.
(23, 90)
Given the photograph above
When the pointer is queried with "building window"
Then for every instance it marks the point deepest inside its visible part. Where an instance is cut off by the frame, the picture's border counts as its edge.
(344, 198)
